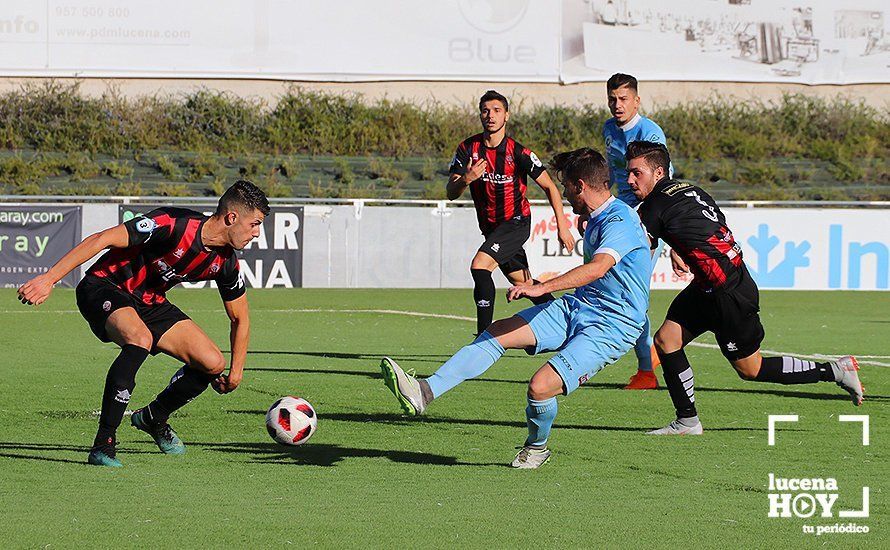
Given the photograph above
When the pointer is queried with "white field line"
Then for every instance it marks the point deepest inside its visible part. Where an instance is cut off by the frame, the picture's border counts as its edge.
(863, 359)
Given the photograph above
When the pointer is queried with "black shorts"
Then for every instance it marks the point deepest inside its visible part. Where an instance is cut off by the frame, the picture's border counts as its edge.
(732, 315)
(98, 298)
(504, 244)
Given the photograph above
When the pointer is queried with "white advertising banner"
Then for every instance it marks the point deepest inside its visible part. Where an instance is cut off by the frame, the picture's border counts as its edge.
(515, 40)
(807, 41)
(787, 248)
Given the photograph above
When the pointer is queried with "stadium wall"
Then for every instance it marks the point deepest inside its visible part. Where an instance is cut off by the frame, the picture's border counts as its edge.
(362, 245)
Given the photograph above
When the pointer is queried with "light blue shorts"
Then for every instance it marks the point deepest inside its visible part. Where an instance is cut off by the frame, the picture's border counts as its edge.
(586, 339)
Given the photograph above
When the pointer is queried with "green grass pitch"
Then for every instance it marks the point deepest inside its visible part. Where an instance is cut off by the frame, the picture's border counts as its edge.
(371, 478)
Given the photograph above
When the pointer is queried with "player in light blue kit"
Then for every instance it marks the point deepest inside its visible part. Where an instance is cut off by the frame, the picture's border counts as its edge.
(589, 328)
(625, 126)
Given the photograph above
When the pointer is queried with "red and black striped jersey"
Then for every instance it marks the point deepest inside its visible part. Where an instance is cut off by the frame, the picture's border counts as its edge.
(164, 250)
(499, 195)
(689, 220)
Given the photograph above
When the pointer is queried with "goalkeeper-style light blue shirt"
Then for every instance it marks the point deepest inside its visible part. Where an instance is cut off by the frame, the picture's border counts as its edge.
(623, 292)
(639, 128)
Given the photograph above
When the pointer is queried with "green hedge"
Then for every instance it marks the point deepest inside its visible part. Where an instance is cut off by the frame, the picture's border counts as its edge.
(798, 140)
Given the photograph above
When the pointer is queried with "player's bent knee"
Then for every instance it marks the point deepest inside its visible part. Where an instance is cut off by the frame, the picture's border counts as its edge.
(142, 339)
(665, 344)
(211, 363)
(545, 384)
(747, 372)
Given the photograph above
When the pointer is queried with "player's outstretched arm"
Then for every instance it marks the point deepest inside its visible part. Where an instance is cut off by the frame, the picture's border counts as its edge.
(577, 277)
(37, 290)
(239, 337)
(555, 198)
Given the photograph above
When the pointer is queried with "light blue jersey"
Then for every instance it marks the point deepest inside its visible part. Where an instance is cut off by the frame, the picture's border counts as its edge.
(615, 229)
(599, 322)
(639, 128)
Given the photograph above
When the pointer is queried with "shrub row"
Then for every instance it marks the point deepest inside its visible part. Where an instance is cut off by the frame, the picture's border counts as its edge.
(57, 117)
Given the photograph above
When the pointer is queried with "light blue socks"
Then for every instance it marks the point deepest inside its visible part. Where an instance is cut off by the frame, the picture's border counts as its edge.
(539, 416)
(471, 361)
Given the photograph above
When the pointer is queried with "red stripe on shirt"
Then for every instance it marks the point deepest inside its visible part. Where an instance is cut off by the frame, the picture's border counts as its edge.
(510, 172)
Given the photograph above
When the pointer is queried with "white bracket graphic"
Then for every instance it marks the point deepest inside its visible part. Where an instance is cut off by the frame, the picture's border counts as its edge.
(857, 418)
(857, 513)
(772, 419)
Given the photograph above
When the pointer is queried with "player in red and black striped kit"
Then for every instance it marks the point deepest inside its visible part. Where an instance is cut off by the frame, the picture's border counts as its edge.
(122, 297)
(722, 298)
(496, 168)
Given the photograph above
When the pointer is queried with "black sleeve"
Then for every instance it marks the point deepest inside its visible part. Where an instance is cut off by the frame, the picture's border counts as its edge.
(461, 161)
(152, 228)
(529, 163)
(229, 281)
(650, 214)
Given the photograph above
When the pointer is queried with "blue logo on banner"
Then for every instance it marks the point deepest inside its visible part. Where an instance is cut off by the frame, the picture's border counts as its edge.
(855, 252)
(782, 275)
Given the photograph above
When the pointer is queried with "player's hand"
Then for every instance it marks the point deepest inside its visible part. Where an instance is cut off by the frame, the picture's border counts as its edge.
(225, 383)
(567, 239)
(36, 291)
(525, 290)
(476, 170)
(679, 266)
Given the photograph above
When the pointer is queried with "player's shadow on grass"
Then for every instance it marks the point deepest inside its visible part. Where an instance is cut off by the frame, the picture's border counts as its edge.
(325, 454)
(422, 358)
(397, 419)
(375, 375)
(54, 447)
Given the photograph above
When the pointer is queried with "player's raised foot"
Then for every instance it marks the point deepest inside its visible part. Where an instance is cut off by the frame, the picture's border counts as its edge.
(167, 440)
(530, 457)
(104, 455)
(643, 380)
(404, 386)
(677, 427)
(848, 369)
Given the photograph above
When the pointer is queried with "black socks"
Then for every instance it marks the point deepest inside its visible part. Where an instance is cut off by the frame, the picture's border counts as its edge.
(790, 370)
(190, 385)
(483, 295)
(119, 385)
(680, 382)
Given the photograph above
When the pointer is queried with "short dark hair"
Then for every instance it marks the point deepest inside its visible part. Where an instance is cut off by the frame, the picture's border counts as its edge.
(246, 195)
(618, 80)
(655, 154)
(581, 164)
(492, 95)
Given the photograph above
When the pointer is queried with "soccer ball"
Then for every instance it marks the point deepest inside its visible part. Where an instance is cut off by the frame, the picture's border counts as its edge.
(291, 421)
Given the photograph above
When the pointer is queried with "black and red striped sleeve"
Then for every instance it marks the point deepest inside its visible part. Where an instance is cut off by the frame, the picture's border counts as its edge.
(229, 281)
(153, 228)
(461, 161)
(529, 163)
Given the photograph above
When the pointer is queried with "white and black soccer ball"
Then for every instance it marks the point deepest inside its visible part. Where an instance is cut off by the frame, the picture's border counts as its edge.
(291, 420)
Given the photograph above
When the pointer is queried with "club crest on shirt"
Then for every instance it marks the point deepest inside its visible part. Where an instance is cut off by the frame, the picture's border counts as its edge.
(214, 268)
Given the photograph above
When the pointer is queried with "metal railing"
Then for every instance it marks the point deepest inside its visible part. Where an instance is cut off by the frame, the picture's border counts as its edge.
(358, 202)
